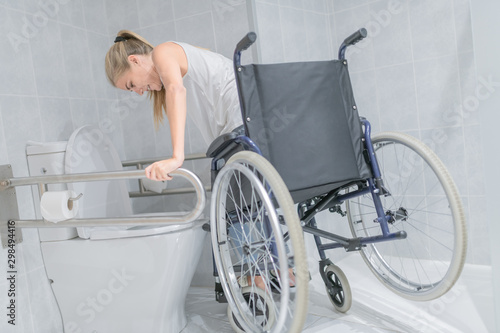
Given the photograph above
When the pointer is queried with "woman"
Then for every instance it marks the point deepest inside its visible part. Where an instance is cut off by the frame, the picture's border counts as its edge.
(181, 80)
(179, 77)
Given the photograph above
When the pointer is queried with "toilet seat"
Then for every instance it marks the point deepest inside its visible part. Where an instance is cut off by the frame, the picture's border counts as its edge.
(146, 230)
(90, 150)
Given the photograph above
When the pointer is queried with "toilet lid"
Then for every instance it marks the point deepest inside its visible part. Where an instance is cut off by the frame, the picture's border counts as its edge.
(90, 150)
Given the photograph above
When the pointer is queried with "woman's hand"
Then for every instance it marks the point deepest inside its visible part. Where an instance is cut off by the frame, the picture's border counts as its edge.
(160, 170)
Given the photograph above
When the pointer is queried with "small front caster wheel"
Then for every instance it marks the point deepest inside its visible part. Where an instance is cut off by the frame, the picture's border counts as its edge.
(340, 292)
(259, 306)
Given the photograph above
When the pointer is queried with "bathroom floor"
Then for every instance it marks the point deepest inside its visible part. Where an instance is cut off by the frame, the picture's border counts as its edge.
(467, 307)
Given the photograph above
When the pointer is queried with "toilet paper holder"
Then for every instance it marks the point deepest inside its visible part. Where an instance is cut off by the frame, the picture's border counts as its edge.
(70, 201)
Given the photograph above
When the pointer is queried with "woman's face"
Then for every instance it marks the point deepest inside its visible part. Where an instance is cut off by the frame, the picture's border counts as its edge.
(141, 77)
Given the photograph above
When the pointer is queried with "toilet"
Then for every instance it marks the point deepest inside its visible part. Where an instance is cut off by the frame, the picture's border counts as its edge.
(112, 279)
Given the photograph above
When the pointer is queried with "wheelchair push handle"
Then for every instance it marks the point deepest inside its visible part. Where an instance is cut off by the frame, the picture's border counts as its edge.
(355, 37)
(351, 40)
(246, 42)
(243, 44)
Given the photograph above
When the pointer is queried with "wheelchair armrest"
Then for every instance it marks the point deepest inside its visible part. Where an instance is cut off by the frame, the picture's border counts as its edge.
(220, 144)
(223, 141)
(223, 147)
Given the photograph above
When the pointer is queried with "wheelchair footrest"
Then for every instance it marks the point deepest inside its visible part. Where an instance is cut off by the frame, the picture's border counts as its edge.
(219, 293)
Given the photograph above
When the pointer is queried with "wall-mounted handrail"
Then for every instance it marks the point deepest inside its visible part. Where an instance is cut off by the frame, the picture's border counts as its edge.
(190, 157)
(112, 175)
(143, 192)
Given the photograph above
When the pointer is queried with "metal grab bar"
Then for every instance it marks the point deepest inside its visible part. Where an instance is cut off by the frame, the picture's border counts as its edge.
(189, 157)
(73, 178)
(143, 192)
(99, 176)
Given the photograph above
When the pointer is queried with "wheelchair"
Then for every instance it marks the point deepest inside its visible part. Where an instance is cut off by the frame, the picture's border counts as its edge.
(303, 149)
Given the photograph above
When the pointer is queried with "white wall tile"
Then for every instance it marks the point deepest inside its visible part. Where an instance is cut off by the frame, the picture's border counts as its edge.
(334, 42)
(31, 6)
(155, 12)
(15, 53)
(473, 90)
(340, 5)
(21, 119)
(48, 61)
(389, 28)
(364, 86)
(438, 91)
(230, 25)
(186, 8)
(159, 33)
(196, 143)
(432, 28)
(13, 4)
(273, 2)
(76, 61)
(269, 34)
(297, 4)
(318, 6)
(56, 120)
(197, 30)
(98, 46)
(83, 112)
(122, 15)
(396, 98)
(318, 36)
(96, 17)
(463, 25)
(138, 130)
(294, 34)
(4, 158)
(479, 241)
(69, 12)
(164, 142)
(474, 161)
(111, 114)
(448, 143)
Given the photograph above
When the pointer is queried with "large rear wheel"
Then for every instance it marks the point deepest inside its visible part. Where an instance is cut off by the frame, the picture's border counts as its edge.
(424, 202)
(258, 244)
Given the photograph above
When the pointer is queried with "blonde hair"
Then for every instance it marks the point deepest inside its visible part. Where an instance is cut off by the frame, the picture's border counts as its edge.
(116, 64)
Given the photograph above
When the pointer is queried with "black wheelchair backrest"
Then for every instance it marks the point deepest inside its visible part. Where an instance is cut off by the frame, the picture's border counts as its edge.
(304, 119)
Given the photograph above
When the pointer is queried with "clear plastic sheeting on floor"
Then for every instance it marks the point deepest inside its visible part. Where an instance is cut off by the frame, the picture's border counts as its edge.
(467, 307)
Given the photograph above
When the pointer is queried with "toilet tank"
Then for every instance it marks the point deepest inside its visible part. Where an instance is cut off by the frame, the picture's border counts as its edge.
(48, 159)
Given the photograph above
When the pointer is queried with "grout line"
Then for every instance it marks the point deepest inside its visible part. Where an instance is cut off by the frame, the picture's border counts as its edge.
(353, 8)
(419, 129)
(412, 61)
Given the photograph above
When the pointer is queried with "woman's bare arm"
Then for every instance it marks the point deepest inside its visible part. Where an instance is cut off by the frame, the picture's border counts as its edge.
(171, 63)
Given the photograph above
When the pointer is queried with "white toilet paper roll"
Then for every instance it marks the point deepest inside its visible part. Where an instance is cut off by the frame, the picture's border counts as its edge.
(55, 206)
